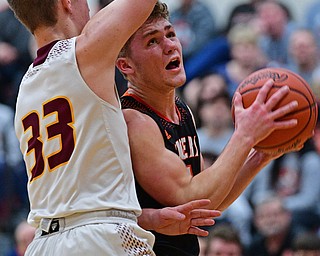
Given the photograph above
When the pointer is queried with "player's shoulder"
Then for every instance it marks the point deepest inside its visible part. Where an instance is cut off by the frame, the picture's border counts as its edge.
(135, 116)
(138, 121)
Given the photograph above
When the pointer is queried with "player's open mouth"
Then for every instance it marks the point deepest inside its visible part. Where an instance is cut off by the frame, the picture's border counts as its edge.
(175, 63)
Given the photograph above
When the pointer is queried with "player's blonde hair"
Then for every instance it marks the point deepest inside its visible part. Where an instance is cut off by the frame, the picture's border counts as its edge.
(160, 10)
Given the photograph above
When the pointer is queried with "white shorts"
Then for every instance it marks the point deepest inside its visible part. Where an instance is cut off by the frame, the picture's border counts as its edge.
(102, 233)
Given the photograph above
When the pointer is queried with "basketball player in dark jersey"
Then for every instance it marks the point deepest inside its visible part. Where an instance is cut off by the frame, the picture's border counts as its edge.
(164, 145)
(171, 133)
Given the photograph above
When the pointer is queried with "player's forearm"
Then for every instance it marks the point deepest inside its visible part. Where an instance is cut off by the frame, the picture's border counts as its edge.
(219, 179)
(254, 163)
(145, 219)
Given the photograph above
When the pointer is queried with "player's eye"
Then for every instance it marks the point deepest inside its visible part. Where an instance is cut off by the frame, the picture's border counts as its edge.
(152, 41)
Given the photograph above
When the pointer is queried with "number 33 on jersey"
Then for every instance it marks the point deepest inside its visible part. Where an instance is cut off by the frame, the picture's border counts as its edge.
(59, 131)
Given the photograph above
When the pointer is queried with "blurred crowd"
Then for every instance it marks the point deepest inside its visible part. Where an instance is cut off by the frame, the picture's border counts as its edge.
(279, 213)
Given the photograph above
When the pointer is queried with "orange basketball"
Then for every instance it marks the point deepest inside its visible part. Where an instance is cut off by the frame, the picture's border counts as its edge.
(306, 113)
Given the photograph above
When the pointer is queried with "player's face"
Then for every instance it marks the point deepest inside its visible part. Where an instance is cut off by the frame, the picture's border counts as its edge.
(156, 55)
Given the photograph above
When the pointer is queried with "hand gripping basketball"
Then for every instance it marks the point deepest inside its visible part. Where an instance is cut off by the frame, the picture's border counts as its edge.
(283, 140)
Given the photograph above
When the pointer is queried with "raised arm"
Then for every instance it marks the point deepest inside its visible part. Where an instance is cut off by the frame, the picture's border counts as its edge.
(102, 39)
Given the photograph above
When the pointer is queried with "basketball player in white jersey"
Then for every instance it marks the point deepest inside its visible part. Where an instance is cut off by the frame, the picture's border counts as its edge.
(74, 138)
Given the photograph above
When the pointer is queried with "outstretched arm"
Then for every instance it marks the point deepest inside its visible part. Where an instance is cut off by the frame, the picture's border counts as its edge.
(256, 160)
(231, 172)
(179, 220)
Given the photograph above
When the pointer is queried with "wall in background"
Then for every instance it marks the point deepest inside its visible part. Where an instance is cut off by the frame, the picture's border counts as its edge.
(221, 8)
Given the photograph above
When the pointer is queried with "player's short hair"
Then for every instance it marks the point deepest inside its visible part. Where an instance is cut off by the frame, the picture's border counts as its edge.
(45, 13)
(160, 10)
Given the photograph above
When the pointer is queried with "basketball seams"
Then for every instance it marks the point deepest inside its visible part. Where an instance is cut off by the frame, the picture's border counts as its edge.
(306, 114)
(306, 86)
(307, 100)
(293, 139)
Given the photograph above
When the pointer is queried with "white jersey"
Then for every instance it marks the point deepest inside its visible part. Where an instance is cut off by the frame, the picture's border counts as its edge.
(75, 145)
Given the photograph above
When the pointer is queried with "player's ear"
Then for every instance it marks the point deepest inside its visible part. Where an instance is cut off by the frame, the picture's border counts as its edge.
(124, 66)
(66, 4)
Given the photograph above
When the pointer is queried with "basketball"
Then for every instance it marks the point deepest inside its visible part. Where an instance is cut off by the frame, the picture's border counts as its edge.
(306, 113)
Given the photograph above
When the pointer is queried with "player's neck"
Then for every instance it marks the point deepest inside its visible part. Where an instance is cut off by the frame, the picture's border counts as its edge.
(47, 34)
(163, 103)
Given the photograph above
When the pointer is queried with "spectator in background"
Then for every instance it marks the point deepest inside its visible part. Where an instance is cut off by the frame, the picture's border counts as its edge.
(15, 55)
(217, 50)
(294, 178)
(224, 240)
(10, 168)
(246, 56)
(316, 136)
(304, 53)
(312, 19)
(194, 24)
(274, 234)
(216, 123)
(10, 155)
(305, 244)
(203, 88)
(243, 13)
(23, 235)
(315, 84)
(276, 27)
